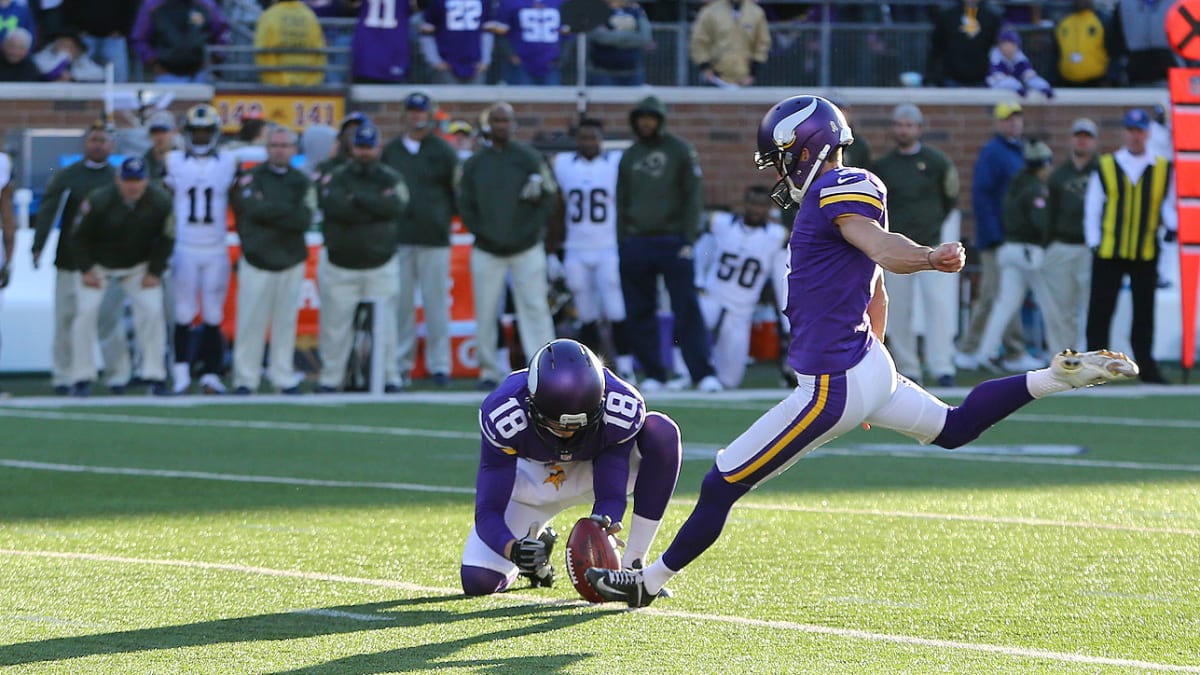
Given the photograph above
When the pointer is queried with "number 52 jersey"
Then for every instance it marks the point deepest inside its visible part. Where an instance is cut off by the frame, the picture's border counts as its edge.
(201, 188)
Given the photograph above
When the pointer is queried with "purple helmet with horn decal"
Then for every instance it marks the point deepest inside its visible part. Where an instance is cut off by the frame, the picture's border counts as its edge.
(566, 390)
(795, 137)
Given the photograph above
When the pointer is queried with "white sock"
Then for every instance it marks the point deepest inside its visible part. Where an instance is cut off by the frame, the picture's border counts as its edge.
(656, 576)
(1041, 383)
(641, 534)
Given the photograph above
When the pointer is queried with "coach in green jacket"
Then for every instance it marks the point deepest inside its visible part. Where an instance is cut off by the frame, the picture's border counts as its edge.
(274, 203)
(124, 235)
(363, 202)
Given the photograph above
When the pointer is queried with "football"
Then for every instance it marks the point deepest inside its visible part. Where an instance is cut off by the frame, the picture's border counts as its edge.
(590, 546)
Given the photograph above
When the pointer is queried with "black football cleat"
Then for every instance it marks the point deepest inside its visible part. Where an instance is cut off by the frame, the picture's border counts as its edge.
(625, 586)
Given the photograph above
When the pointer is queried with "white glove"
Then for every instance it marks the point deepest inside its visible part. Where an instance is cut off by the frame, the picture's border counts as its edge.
(533, 188)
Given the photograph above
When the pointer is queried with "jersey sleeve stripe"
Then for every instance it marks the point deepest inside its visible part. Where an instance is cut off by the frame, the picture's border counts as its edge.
(852, 197)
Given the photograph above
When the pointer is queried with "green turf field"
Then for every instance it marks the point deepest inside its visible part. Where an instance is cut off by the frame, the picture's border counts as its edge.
(325, 538)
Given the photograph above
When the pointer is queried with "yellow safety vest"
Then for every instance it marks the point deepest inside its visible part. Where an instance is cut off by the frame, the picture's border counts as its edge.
(1129, 229)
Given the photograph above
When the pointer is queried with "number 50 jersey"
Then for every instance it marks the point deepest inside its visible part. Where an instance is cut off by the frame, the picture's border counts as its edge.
(201, 187)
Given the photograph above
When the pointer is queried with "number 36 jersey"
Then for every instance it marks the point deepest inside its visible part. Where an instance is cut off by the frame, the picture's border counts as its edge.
(201, 188)
(589, 187)
(507, 425)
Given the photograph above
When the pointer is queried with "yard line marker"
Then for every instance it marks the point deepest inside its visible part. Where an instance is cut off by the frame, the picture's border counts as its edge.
(416, 487)
(849, 633)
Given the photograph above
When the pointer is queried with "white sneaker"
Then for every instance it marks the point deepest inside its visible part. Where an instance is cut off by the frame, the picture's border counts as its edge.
(1023, 363)
(210, 383)
(650, 385)
(965, 361)
(710, 385)
(181, 378)
(679, 383)
(1085, 369)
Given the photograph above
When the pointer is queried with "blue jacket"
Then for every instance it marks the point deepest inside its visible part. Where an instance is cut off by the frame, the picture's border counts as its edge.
(999, 160)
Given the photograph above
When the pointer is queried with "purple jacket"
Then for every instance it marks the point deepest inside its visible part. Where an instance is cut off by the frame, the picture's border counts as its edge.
(173, 33)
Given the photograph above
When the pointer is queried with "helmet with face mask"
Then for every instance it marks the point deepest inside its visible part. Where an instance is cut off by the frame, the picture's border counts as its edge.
(566, 393)
(795, 138)
(201, 129)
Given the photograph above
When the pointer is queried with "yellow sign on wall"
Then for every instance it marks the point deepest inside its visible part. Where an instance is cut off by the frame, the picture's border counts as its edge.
(294, 111)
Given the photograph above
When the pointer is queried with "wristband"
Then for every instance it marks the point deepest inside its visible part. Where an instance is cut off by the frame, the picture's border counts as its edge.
(929, 259)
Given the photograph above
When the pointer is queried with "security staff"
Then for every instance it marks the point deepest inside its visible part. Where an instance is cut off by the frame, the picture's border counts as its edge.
(274, 204)
(123, 236)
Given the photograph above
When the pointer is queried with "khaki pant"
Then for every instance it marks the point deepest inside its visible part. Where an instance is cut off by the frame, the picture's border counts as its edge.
(1068, 275)
(341, 290)
(266, 298)
(530, 291)
(148, 322)
(1020, 272)
(113, 345)
(989, 285)
(939, 298)
(426, 268)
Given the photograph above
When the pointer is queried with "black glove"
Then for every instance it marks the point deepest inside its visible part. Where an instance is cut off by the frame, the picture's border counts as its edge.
(529, 553)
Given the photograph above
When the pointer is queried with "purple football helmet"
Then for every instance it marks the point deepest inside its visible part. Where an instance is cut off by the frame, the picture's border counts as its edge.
(566, 390)
(795, 137)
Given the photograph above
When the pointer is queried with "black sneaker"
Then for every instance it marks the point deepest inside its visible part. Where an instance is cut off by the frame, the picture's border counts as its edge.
(82, 389)
(242, 391)
(626, 586)
(62, 390)
(116, 389)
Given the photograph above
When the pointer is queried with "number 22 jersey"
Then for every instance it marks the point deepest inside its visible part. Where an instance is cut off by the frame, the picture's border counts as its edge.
(201, 188)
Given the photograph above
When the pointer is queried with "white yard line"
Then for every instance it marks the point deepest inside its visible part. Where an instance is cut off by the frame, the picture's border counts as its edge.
(813, 629)
(450, 489)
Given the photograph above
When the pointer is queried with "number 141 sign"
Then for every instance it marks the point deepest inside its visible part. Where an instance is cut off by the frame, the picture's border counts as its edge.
(294, 111)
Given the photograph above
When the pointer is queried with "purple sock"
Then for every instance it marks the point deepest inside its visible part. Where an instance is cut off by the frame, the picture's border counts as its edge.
(661, 453)
(986, 404)
(480, 581)
(705, 523)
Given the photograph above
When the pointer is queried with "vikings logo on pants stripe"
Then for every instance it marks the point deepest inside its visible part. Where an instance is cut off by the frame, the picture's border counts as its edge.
(822, 412)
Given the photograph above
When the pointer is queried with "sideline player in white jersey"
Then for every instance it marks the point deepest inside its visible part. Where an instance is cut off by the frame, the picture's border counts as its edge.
(588, 182)
(200, 178)
(734, 259)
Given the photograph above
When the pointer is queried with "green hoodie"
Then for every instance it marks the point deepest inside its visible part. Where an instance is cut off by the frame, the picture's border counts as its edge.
(658, 182)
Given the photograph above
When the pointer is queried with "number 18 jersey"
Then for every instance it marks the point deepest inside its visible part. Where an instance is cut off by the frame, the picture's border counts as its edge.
(589, 188)
(201, 187)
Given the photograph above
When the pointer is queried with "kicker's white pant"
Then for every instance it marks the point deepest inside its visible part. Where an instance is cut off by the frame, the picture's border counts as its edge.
(148, 322)
(200, 284)
(540, 492)
(1068, 275)
(266, 298)
(594, 279)
(114, 347)
(823, 407)
(730, 330)
(939, 297)
(529, 289)
(1020, 270)
(426, 268)
(341, 290)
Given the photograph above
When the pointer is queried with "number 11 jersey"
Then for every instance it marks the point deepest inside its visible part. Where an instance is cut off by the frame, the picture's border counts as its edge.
(201, 187)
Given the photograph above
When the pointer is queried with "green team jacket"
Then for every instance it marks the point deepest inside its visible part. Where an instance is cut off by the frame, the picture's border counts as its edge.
(922, 189)
(490, 203)
(274, 209)
(1026, 219)
(430, 176)
(363, 205)
(112, 233)
(658, 183)
(80, 180)
(1068, 187)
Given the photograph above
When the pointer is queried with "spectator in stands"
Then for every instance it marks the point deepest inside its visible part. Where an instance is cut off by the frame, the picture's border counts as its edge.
(65, 59)
(170, 36)
(963, 35)
(659, 202)
(336, 38)
(60, 204)
(105, 27)
(1021, 255)
(617, 47)
(17, 65)
(1079, 39)
(123, 236)
(922, 188)
(161, 127)
(1000, 159)
(274, 204)
(1011, 70)
(14, 15)
(506, 197)
(1068, 266)
(48, 15)
(428, 165)
(1139, 41)
(363, 202)
(730, 41)
(1128, 198)
(454, 43)
(379, 49)
(289, 25)
(534, 45)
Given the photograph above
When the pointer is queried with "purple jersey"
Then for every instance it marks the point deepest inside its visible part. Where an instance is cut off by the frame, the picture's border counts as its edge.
(380, 46)
(457, 32)
(509, 434)
(830, 282)
(534, 28)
